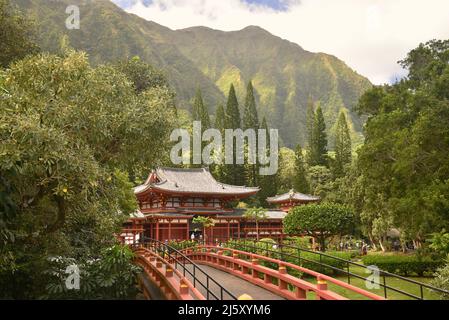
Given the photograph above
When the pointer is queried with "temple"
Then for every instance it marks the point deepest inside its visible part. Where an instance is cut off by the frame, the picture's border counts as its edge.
(171, 197)
(291, 199)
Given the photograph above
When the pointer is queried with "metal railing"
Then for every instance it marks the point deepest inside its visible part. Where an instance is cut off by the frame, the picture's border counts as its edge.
(297, 254)
(178, 259)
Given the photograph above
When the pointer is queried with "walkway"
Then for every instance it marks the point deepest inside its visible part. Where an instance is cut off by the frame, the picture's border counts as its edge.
(235, 285)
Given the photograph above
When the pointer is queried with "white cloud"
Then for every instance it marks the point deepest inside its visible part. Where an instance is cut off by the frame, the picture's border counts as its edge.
(369, 35)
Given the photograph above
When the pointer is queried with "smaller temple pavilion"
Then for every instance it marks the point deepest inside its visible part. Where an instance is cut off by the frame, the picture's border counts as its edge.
(291, 199)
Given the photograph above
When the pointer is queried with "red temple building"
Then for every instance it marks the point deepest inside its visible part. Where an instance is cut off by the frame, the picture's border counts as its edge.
(291, 199)
(171, 197)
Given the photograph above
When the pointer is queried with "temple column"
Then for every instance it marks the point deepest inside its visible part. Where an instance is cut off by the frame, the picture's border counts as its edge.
(169, 229)
(157, 229)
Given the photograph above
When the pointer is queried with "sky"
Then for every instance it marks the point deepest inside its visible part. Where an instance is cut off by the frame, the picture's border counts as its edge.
(370, 36)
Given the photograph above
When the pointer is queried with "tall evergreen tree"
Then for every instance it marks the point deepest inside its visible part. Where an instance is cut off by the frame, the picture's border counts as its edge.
(268, 184)
(232, 116)
(310, 121)
(251, 121)
(199, 111)
(343, 155)
(300, 182)
(250, 117)
(220, 118)
(318, 149)
(218, 170)
(234, 173)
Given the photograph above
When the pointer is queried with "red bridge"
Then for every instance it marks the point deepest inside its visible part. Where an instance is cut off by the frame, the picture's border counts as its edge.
(210, 272)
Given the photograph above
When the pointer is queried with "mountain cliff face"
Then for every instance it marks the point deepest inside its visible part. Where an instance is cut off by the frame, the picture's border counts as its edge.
(284, 75)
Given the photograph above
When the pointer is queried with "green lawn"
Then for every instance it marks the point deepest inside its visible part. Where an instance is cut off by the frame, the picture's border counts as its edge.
(392, 282)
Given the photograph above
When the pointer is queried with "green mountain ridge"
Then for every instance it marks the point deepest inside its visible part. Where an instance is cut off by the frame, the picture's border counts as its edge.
(284, 75)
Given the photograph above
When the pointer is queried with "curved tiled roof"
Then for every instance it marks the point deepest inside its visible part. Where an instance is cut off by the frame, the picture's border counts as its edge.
(292, 195)
(196, 180)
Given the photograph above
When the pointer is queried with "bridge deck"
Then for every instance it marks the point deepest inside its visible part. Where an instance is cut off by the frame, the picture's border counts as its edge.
(234, 284)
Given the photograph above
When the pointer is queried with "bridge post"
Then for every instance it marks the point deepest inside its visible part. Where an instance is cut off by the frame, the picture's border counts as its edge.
(219, 261)
(282, 270)
(235, 256)
(168, 272)
(255, 262)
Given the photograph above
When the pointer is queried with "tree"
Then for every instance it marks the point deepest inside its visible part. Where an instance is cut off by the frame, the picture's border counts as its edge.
(65, 154)
(310, 122)
(403, 162)
(205, 222)
(220, 118)
(318, 149)
(300, 181)
(199, 111)
(251, 121)
(16, 35)
(234, 173)
(343, 153)
(268, 183)
(143, 75)
(256, 214)
(320, 221)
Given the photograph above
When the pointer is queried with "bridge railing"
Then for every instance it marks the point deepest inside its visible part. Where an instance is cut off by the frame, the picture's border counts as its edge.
(200, 279)
(323, 261)
(247, 262)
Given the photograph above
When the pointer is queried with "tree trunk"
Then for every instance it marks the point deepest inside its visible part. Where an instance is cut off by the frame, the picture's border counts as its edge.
(257, 230)
(373, 242)
(381, 245)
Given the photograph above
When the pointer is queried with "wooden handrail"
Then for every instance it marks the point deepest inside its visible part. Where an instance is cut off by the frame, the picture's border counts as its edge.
(296, 282)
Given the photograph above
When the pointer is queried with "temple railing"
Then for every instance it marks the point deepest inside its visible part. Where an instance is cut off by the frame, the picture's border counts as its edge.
(277, 276)
(324, 261)
(186, 268)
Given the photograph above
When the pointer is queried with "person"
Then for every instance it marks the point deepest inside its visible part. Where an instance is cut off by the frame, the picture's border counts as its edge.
(364, 249)
(192, 237)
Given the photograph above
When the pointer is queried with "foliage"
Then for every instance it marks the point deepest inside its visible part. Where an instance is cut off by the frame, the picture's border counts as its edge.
(343, 148)
(440, 242)
(318, 147)
(111, 276)
(16, 36)
(403, 165)
(300, 182)
(180, 245)
(234, 173)
(256, 214)
(405, 265)
(441, 280)
(143, 75)
(70, 134)
(199, 111)
(251, 121)
(320, 221)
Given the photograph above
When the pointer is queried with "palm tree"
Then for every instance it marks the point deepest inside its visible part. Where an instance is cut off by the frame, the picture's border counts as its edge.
(256, 214)
(206, 222)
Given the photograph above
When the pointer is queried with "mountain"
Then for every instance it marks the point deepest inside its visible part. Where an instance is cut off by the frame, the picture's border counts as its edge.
(284, 75)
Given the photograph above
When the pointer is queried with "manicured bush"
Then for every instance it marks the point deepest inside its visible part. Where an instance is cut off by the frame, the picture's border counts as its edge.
(405, 265)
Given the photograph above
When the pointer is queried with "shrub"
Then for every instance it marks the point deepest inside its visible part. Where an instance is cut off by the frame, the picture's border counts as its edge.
(403, 264)
(441, 280)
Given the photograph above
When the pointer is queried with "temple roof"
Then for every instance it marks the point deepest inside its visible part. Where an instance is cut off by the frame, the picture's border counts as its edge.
(292, 195)
(190, 181)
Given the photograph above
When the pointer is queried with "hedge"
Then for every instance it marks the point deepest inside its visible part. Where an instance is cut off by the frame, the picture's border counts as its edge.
(404, 265)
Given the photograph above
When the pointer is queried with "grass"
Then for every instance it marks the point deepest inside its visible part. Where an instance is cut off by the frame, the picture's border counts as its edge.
(396, 283)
